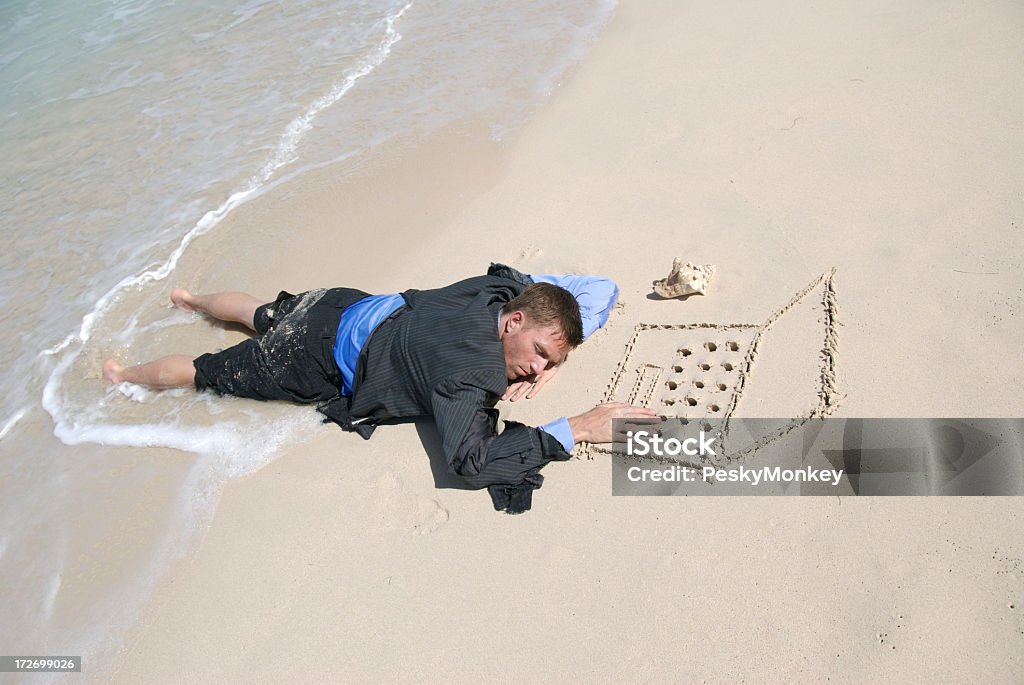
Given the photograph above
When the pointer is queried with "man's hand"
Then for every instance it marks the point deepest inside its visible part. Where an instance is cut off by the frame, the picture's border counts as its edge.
(596, 424)
(529, 387)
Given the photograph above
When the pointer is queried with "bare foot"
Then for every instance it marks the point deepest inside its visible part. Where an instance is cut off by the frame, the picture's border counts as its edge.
(180, 297)
(112, 371)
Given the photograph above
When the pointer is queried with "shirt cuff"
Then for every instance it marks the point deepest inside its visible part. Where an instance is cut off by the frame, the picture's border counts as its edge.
(559, 430)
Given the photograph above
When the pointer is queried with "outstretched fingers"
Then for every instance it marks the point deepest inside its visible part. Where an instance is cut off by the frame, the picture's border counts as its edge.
(598, 424)
(516, 390)
(542, 379)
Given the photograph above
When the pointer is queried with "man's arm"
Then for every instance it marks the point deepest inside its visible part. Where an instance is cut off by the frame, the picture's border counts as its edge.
(481, 455)
(596, 425)
(509, 464)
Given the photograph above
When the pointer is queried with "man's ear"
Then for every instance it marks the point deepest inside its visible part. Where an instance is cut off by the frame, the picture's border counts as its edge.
(516, 319)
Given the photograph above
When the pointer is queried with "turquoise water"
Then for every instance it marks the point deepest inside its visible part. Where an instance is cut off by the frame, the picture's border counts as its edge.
(131, 128)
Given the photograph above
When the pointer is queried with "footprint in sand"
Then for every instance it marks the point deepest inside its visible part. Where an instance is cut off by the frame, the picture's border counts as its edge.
(400, 509)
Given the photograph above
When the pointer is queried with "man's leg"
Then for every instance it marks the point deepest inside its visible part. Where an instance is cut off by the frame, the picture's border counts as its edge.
(175, 371)
(237, 307)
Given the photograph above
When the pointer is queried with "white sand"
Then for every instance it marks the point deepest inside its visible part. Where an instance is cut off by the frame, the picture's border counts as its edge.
(775, 141)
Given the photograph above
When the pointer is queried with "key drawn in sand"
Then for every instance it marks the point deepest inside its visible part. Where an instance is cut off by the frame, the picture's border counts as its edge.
(702, 371)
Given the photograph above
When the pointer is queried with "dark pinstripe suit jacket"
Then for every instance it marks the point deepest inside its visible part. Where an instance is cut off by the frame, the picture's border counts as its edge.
(441, 356)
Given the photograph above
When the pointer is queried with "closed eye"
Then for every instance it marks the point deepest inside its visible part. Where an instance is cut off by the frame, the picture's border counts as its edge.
(547, 355)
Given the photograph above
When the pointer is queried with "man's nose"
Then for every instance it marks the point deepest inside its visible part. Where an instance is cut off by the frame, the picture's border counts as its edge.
(538, 365)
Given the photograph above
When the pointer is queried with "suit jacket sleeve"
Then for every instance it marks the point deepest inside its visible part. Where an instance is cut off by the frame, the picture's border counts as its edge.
(467, 422)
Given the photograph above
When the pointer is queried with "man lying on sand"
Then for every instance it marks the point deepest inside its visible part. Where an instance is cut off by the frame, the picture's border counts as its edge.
(450, 353)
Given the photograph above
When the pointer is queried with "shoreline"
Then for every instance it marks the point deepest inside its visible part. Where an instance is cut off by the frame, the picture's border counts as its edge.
(730, 138)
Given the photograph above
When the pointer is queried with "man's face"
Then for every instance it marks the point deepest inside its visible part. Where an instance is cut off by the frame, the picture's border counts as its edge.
(529, 350)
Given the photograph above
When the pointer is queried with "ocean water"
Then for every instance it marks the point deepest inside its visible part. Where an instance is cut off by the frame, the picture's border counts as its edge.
(129, 129)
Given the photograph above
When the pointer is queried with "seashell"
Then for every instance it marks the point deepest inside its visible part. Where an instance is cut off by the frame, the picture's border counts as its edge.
(685, 279)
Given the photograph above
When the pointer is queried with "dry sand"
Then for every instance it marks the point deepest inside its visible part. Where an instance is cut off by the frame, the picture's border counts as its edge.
(774, 140)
